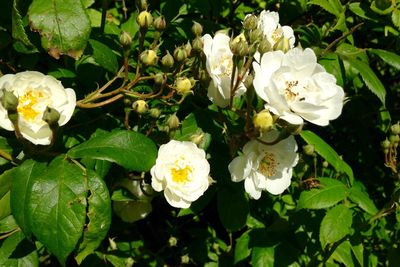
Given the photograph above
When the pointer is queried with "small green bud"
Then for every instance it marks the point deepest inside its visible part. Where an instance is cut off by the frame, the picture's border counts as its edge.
(140, 106)
(188, 48)
(160, 24)
(129, 262)
(393, 139)
(263, 121)
(167, 61)
(144, 19)
(159, 79)
(183, 85)
(113, 245)
(255, 35)
(197, 29)
(325, 164)
(9, 101)
(141, 4)
(385, 144)
(395, 129)
(249, 81)
(197, 138)
(264, 47)
(180, 54)
(154, 113)
(51, 116)
(185, 259)
(172, 241)
(250, 22)
(125, 39)
(197, 44)
(309, 150)
(283, 45)
(173, 122)
(148, 57)
(239, 45)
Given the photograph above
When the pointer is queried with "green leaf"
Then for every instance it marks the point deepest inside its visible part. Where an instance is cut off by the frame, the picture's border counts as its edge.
(5, 209)
(188, 128)
(16, 251)
(129, 149)
(8, 224)
(5, 182)
(63, 25)
(232, 196)
(242, 250)
(62, 73)
(342, 255)
(101, 167)
(332, 63)
(104, 56)
(132, 211)
(329, 193)
(328, 153)
(99, 216)
(21, 190)
(370, 79)
(361, 11)
(361, 198)
(335, 225)
(18, 30)
(390, 58)
(332, 6)
(5, 147)
(263, 256)
(396, 18)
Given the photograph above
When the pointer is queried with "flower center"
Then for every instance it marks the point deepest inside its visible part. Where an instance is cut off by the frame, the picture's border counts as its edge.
(224, 65)
(268, 165)
(277, 35)
(289, 92)
(27, 104)
(181, 175)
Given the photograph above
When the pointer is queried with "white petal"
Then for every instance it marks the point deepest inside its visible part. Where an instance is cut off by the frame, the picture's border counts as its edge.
(174, 200)
(68, 108)
(251, 189)
(238, 168)
(277, 186)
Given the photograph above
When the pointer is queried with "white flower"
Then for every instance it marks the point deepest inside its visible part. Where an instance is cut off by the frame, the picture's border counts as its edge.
(35, 92)
(182, 171)
(265, 167)
(268, 22)
(296, 87)
(220, 66)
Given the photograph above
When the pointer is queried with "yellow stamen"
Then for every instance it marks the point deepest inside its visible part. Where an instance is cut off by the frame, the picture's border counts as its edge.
(181, 175)
(26, 104)
(268, 165)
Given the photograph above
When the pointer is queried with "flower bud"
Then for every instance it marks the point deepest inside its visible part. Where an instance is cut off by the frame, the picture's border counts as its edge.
(144, 19)
(283, 44)
(197, 44)
(249, 81)
(239, 46)
(204, 78)
(125, 39)
(197, 29)
(154, 113)
(309, 150)
(140, 106)
(113, 245)
(141, 4)
(160, 24)
(263, 121)
(197, 138)
(264, 47)
(180, 54)
(9, 101)
(172, 241)
(325, 164)
(167, 61)
(250, 22)
(148, 57)
(51, 116)
(185, 259)
(255, 35)
(129, 262)
(395, 129)
(183, 85)
(393, 139)
(385, 144)
(188, 48)
(173, 122)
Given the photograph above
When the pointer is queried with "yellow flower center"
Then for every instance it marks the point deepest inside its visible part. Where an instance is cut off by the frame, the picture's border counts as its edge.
(289, 94)
(224, 65)
(27, 104)
(277, 35)
(181, 175)
(268, 165)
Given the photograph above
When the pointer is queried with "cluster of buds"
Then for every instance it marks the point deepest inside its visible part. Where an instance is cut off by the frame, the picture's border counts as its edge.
(389, 147)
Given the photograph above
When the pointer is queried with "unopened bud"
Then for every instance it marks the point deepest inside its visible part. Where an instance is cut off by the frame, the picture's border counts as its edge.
(188, 48)
(113, 245)
(160, 24)
(141, 4)
(197, 138)
(140, 106)
(204, 78)
(180, 54)
(167, 61)
(385, 144)
(172, 241)
(250, 22)
(197, 44)
(129, 262)
(144, 19)
(51, 116)
(185, 259)
(183, 85)
(264, 47)
(255, 35)
(159, 79)
(249, 81)
(239, 46)
(325, 164)
(173, 122)
(9, 101)
(309, 150)
(125, 39)
(283, 44)
(154, 113)
(148, 57)
(395, 129)
(197, 29)
(263, 121)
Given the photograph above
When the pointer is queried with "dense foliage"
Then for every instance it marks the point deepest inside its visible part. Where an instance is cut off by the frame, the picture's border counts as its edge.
(159, 135)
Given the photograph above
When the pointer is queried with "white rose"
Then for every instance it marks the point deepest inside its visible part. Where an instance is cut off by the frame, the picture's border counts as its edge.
(35, 92)
(182, 171)
(220, 67)
(296, 87)
(265, 167)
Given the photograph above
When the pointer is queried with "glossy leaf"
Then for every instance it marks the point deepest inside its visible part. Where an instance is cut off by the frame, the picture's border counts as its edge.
(328, 153)
(5, 182)
(389, 57)
(329, 193)
(335, 225)
(8, 224)
(342, 255)
(99, 216)
(188, 128)
(5, 209)
(332, 6)
(361, 198)
(263, 256)
(104, 56)
(18, 30)
(242, 250)
(16, 251)
(63, 25)
(5, 147)
(129, 149)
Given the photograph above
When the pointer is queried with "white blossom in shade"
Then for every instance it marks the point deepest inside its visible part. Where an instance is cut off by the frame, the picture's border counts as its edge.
(182, 171)
(268, 22)
(220, 68)
(297, 88)
(265, 167)
(35, 92)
